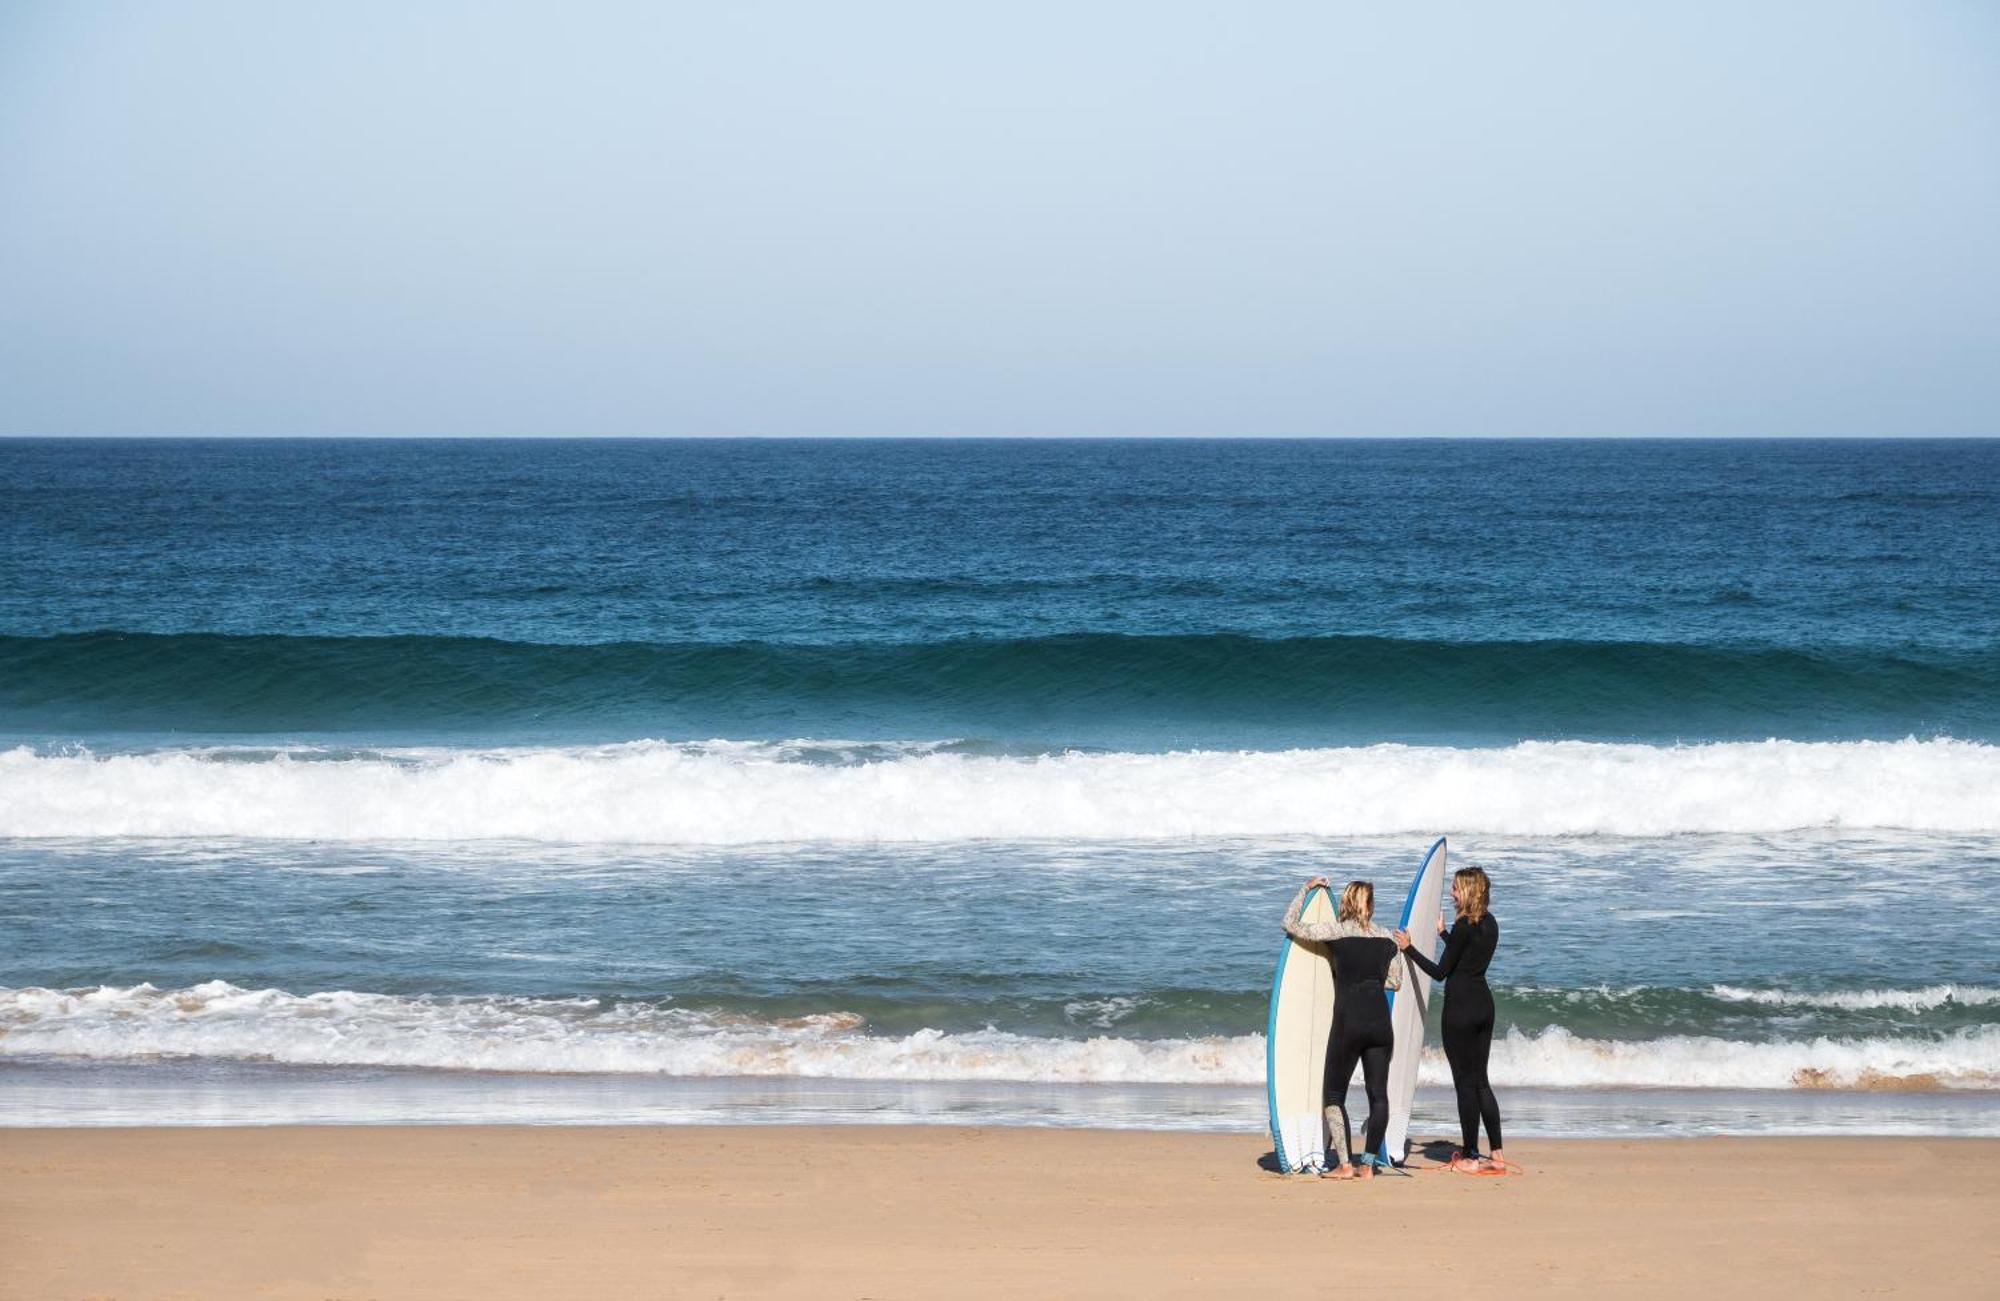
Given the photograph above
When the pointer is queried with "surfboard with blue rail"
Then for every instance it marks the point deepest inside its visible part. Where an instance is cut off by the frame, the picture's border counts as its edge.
(1409, 1006)
(1295, 1043)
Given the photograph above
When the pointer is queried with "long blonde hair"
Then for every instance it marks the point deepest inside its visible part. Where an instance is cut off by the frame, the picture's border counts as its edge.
(1469, 892)
(1357, 901)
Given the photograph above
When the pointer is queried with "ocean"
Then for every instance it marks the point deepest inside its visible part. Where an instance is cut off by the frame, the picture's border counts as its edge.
(865, 781)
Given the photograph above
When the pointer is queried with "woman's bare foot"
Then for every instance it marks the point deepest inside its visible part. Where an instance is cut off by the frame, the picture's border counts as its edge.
(1341, 1171)
(1366, 1171)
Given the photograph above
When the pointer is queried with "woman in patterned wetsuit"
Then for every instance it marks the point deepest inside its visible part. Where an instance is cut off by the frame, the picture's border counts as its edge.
(1365, 967)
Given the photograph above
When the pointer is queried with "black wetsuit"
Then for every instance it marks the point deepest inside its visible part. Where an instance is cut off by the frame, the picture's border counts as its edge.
(1468, 1022)
(1361, 1032)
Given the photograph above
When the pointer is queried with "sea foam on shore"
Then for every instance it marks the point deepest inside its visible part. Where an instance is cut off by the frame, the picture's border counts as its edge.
(221, 1022)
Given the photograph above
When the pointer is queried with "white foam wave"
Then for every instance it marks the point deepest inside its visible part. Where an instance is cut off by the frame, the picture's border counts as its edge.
(585, 1036)
(723, 793)
(340, 1028)
(1557, 1059)
(1929, 998)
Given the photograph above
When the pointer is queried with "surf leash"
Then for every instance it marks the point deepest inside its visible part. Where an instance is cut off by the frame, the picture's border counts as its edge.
(1476, 1167)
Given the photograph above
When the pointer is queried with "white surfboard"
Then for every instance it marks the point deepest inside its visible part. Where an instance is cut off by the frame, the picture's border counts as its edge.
(1295, 1043)
(1408, 1005)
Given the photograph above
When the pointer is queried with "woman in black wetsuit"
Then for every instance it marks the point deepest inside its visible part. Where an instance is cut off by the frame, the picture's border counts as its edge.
(1468, 1008)
(1365, 967)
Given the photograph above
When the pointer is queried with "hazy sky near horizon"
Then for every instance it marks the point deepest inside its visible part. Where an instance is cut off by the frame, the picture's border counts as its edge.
(1777, 218)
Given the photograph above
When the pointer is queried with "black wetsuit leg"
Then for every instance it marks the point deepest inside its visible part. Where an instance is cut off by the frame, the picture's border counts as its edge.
(1340, 1063)
(1375, 1076)
(1369, 1046)
(1489, 1106)
(1468, 1043)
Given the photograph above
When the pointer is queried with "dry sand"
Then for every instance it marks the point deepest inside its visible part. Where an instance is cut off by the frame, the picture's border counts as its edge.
(498, 1213)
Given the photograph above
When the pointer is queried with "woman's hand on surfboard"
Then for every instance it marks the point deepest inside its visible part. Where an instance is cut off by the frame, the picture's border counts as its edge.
(1402, 939)
(1321, 882)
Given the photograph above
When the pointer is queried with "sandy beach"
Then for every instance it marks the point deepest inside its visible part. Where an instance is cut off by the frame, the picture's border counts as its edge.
(494, 1212)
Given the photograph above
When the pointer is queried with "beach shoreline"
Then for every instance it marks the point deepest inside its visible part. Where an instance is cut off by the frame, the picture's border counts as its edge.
(58, 1094)
(920, 1211)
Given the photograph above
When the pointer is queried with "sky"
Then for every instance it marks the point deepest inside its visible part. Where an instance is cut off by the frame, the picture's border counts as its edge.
(1700, 218)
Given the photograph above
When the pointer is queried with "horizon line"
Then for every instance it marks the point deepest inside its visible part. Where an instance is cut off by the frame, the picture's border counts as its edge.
(1013, 438)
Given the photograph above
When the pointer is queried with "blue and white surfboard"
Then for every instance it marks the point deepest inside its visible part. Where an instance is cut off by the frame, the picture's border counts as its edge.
(1408, 1006)
(1295, 1042)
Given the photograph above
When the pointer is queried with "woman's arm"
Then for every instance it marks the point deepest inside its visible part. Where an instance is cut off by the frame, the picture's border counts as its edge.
(1319, 932)
(1454, 948)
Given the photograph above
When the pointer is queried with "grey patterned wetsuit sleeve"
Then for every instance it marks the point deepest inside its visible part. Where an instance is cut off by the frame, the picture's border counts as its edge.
(1320, 932)
(1394, 980)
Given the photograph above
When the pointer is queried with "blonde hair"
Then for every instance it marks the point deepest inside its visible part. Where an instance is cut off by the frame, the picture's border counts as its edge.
(1357, 901)
(1471, 899)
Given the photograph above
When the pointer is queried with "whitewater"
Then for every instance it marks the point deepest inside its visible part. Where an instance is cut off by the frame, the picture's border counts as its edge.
(222, 1022)
(724, 793)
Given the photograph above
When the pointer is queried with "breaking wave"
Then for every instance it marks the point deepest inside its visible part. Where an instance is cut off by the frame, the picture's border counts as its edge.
(219, 1021)
(1927, 999)
(739, 793)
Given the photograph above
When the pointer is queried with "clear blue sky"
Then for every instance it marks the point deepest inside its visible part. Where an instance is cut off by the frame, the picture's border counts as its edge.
(1022, 218)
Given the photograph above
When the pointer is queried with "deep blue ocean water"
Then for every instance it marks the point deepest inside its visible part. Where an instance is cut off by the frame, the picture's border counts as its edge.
(459, 779)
